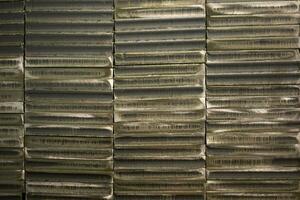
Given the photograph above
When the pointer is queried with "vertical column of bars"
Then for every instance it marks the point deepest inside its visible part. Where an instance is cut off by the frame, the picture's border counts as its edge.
(11, 99)
(69, 99)
(253, 100)
(159, 150)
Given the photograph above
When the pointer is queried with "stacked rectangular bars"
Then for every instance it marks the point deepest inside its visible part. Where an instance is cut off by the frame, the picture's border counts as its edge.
(69, 111)
(253, 100)
(159, 150)
(11, 99)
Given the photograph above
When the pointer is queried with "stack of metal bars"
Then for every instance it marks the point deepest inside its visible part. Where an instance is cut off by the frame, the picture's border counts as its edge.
(253, 100)
(69, 111)
(159, 150)
(11, 99)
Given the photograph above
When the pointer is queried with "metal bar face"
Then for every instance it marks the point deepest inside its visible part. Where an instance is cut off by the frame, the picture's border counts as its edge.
(69, 99)
(253, 100)
(11, 99)
(159, 93)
